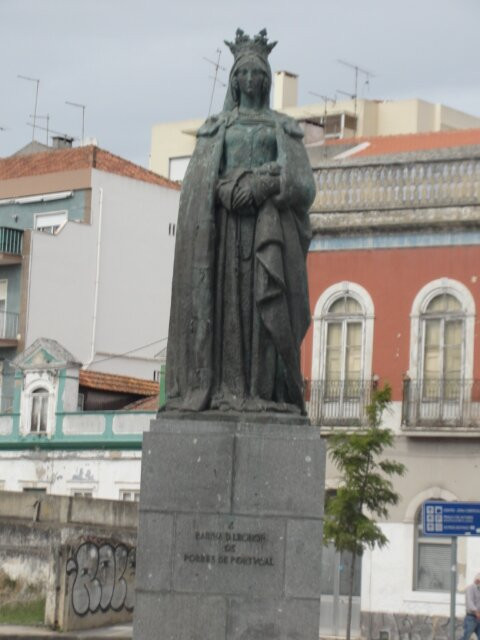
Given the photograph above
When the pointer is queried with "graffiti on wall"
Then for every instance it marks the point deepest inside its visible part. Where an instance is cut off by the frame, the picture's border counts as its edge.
(103, 577)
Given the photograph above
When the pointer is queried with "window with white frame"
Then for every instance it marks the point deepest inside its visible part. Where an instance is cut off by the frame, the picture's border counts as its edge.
(80, 401)
(443, 329)
(342, 352)
(34, 489)
(39, 410)
(51, 222)
(432, 560)
(441, 353)
(343, 347)
(130, 495)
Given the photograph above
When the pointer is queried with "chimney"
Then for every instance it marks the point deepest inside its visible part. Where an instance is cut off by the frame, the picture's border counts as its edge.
(62, 142)
(285, 89)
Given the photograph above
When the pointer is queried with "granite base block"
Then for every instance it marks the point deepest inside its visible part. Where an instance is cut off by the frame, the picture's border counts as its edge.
(230, 531)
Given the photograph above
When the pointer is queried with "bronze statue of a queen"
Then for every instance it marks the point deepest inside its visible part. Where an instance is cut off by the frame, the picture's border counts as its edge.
(240, 297)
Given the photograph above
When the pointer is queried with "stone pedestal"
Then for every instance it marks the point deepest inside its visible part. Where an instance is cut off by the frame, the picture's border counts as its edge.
(230, 531)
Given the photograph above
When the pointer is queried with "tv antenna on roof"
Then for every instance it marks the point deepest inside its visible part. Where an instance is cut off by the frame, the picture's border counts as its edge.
(222, 84)
(82, 107)
(326, 100)
(353, 96)
(346, 93)
(47, 118)
(215, 77)
(36, 101)
(58, 133)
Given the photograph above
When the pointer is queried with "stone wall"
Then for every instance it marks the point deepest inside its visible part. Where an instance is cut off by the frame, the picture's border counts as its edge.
(431, 189)
(78, 553)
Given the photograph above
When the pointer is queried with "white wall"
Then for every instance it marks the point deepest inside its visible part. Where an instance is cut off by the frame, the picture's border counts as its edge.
(172, 140)
(62, 272)
(104, 473)
(134, 277)
(387, 576)
(437, 468)
(135, 272)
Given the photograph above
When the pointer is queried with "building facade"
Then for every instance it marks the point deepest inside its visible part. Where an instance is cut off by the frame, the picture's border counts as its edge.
(86, 255)
(55, 441)
(172, 143)
(395, 291)
(394, 283)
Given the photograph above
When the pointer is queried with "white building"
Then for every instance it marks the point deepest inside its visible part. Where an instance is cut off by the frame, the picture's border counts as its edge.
(52, 443)
(86, 256)
(172, 143)
(395, 296)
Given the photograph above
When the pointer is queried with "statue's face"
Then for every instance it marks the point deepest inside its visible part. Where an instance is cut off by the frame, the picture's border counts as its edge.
(251, 79)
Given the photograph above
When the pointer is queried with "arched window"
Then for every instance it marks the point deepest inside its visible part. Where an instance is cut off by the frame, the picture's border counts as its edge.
(343, 347)
(39, 411)
(342, 354)
(443, 328)
(440, 381)
(432, 560)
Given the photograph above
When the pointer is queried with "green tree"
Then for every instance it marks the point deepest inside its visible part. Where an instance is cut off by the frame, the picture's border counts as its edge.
(365, 490)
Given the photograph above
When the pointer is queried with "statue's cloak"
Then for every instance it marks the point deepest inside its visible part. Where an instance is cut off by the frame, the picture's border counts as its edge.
(282, 238)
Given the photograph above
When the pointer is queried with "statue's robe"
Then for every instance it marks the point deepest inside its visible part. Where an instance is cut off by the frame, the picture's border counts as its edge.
(280, 289)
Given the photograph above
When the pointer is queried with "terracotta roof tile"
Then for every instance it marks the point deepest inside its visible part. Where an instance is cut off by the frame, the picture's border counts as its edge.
(119, 384)
(106, 161)
(144, 404)
(385, 145)
(89, 157)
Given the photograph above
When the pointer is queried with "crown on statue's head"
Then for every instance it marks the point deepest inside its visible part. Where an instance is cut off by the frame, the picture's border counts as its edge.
(243, 44)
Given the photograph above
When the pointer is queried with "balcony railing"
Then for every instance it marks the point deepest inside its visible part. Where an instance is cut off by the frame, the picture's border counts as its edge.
(8, 325)
(11, 240)
(407, 184)
(338, 402)
(441, 403)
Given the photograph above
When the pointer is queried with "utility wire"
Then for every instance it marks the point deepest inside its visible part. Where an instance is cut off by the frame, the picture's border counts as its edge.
(120, 355)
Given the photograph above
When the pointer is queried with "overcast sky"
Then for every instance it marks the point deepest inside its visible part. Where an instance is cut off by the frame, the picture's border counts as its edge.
(137, 62)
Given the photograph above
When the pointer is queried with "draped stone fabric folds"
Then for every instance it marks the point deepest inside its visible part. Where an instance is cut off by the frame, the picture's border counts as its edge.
(207, 302)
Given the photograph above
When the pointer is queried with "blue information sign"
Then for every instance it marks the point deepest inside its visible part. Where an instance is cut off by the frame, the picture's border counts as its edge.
(451, 518)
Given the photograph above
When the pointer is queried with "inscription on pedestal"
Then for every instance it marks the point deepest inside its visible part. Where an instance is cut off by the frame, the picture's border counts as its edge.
(233, 543)
(239, 553)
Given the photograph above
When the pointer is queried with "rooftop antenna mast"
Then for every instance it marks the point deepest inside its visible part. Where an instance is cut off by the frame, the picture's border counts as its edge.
(353, 96)
(326, 100)
(47, 118)
(222, 84)
(58, 133)
(36, 100)
(82, 107)
(215, 77)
